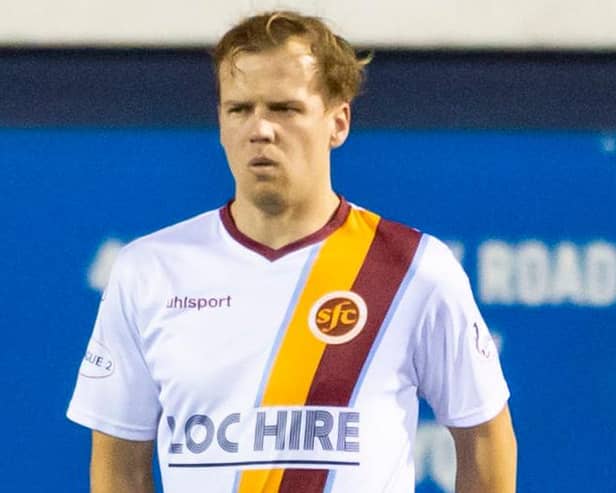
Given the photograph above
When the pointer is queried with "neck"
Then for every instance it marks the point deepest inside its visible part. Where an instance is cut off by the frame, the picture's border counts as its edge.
(295, 222)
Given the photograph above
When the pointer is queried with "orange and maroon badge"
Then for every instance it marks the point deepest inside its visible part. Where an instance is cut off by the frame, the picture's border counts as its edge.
(338, 317)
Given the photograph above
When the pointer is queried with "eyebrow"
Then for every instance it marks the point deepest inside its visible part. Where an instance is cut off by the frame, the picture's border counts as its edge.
(289, 102)
(235, 103)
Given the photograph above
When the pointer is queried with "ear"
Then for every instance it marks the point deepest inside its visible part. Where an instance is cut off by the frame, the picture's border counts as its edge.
(341, 119)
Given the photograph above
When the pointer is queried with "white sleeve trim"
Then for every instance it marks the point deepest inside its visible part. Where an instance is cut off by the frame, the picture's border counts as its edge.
(479, 416)
(114, 429)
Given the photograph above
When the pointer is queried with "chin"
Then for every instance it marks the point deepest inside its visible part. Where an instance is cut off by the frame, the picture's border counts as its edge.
(270, 202)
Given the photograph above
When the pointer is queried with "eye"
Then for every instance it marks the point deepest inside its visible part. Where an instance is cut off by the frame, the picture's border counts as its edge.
(238, 109)
(285, 109)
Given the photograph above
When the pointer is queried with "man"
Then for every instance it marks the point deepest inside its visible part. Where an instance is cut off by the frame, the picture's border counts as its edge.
(280, 343)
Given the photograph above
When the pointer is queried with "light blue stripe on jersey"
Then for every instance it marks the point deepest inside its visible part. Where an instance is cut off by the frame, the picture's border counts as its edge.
(392, 309)
(283, 327)
(331, 476)
(236, 481)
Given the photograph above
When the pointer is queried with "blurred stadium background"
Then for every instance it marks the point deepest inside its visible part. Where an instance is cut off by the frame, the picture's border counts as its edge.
(490, 124)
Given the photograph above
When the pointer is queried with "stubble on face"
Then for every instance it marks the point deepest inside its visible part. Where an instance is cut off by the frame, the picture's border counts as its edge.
(271, 203)
(269, 193)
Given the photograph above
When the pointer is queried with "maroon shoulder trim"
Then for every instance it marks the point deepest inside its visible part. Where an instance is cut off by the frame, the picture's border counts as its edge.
(337, 219)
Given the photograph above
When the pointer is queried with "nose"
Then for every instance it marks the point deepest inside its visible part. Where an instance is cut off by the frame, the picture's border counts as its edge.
(262, 130)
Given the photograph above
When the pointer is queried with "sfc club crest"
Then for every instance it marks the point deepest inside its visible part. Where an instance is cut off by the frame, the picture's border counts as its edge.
(338, 317)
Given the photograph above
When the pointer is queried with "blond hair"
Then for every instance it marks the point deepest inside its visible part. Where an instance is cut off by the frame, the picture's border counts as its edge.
(340, 70)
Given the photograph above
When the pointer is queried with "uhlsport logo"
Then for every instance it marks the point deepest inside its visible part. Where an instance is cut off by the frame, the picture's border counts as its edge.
(338, 317)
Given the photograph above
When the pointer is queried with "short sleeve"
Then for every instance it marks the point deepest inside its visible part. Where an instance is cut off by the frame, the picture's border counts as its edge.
(456, 361)
(115, 392)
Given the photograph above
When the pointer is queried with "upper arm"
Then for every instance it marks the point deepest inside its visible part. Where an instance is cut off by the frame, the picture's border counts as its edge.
(120, 465)
(456, 363)
(486, 455)
(115, 392)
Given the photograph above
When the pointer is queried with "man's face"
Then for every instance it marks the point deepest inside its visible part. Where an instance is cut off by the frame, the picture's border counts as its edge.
(275, 128)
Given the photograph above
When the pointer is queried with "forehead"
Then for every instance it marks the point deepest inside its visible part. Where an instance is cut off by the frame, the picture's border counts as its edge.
(281, 70)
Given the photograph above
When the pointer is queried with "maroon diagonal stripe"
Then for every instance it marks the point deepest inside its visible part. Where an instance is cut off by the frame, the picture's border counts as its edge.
(303, 480)
(388, 259)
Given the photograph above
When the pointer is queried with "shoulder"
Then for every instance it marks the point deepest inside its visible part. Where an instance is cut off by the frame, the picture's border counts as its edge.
(197, 229)
(141, 252)
(433, 261)
(438, 266)
(393, 237)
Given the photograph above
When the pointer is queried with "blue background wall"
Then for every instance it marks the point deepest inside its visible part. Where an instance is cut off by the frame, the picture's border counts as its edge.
(74, 177)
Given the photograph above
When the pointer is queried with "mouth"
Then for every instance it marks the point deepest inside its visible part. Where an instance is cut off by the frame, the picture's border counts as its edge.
(261, 162)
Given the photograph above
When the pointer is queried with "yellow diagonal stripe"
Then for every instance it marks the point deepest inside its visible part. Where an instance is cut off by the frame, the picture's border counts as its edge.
(334, 269)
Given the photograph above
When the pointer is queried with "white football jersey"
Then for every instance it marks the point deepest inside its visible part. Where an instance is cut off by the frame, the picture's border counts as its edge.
(298, 369)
